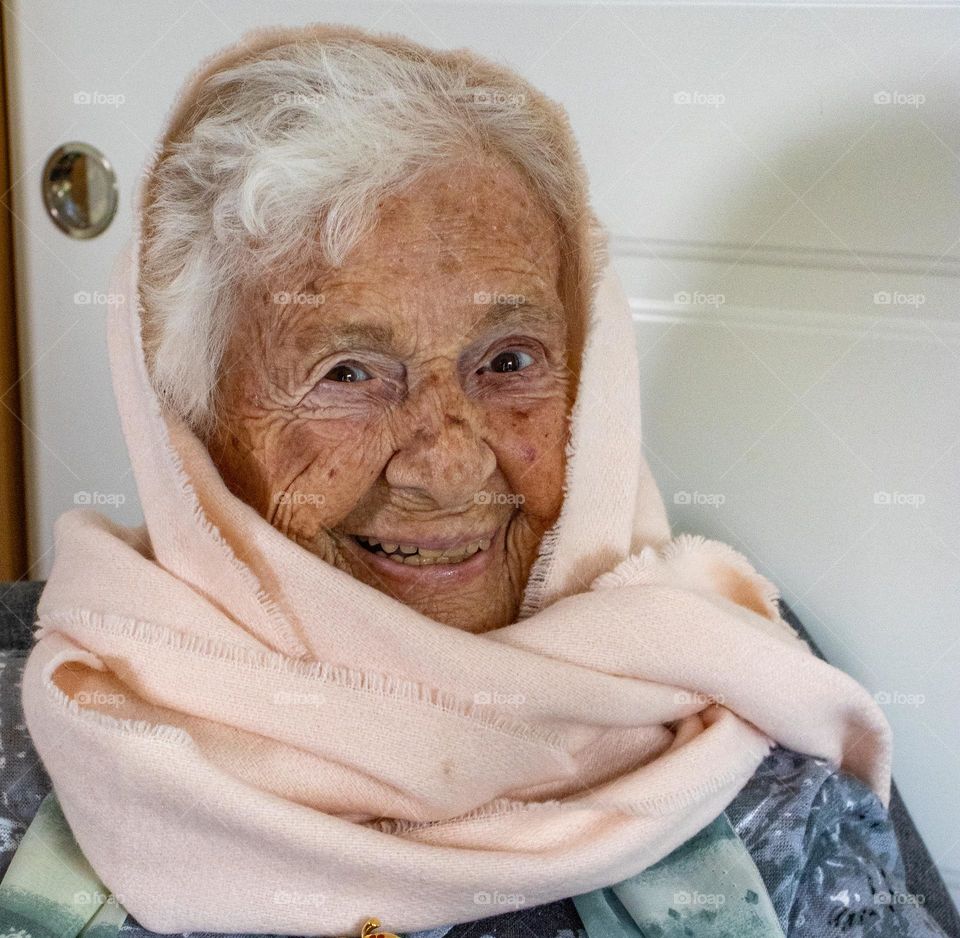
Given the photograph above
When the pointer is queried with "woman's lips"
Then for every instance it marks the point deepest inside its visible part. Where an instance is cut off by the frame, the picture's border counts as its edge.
(439, 570)
(420, 554)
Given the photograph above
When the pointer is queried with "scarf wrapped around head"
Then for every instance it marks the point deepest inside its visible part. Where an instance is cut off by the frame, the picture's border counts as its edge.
(244, 738)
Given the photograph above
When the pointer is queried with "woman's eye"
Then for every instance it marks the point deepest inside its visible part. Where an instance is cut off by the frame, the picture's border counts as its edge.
(347, 372)
(510, 360)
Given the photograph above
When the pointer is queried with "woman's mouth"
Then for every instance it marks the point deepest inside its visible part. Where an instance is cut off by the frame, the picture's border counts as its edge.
(417, 555)
(448, 563)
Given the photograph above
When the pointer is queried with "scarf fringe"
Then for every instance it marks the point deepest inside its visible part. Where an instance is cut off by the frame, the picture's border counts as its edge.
(355, 679)
(534, 594)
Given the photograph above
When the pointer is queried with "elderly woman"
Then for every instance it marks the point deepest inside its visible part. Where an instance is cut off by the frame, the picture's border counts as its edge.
(404, 635)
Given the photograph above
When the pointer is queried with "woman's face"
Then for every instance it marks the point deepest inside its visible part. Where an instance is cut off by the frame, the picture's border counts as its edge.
(415, 396)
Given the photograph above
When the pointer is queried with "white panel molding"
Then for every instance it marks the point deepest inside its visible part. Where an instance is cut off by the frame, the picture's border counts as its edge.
(904, 297)
(765, 255)
(797, 320)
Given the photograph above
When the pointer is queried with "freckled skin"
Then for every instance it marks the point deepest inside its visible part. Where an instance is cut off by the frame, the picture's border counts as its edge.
(436, 419)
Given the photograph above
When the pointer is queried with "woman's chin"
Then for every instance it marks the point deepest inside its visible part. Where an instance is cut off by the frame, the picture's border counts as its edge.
(475, 594)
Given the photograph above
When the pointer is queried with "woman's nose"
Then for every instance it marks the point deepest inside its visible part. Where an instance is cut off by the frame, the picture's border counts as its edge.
(442, 454)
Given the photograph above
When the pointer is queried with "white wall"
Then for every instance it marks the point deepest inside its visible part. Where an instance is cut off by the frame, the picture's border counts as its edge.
(735, 152)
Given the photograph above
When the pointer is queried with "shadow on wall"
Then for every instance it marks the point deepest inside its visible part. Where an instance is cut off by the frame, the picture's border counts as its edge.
(800, 403)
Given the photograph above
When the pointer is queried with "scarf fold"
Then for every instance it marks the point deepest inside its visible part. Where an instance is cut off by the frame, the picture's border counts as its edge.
(244, 738)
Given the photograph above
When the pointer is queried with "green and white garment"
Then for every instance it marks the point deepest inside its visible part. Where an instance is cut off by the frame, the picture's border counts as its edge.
(50, 890)
(707, 887)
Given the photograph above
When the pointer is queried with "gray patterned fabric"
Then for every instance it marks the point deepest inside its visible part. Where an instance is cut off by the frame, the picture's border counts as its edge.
(827, 852)
(824, 846)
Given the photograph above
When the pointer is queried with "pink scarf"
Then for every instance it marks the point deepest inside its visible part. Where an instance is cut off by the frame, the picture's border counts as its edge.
(246, 739)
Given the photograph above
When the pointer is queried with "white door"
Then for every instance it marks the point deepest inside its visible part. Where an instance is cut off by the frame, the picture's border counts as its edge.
(782, 183)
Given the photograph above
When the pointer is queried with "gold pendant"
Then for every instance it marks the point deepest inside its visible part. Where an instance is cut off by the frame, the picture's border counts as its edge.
(369, 930)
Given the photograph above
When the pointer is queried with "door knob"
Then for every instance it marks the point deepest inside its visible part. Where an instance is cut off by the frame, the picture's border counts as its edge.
(79, 189)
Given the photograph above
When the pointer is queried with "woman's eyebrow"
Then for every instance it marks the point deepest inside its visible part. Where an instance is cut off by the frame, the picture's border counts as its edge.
(354, 334)
(517, 315)
(497, 315)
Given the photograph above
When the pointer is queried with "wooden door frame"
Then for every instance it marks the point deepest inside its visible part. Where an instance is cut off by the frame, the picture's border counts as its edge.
(13, 550)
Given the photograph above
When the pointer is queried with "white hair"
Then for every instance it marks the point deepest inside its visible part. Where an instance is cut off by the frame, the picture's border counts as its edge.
(286, 158)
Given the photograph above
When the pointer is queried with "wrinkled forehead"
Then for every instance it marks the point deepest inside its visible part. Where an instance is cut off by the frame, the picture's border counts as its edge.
(471, 219)
(501, 199)
(464, 246)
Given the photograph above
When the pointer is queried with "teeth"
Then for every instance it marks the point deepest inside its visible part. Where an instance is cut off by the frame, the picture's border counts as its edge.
(414, 556)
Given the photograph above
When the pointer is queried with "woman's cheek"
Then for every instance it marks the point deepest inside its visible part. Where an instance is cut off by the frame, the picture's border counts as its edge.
(530, 451)
(342, 460)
